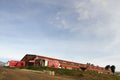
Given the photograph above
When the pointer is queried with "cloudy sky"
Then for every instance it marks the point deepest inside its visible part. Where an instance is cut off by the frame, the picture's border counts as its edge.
(77, 30)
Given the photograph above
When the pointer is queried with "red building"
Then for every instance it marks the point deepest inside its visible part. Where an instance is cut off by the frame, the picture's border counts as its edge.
(14, 63)
(36, 60)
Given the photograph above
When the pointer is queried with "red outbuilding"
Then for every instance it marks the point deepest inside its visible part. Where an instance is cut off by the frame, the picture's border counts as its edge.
(14, 63)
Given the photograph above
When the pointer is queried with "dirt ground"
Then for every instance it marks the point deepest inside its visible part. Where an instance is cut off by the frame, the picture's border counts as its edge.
(18, 74)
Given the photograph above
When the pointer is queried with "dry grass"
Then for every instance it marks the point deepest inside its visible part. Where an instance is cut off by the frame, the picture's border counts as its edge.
(20, 74)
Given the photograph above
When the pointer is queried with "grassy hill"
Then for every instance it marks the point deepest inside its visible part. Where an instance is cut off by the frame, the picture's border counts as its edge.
(20, 74)
(30, 73)
(78, 75)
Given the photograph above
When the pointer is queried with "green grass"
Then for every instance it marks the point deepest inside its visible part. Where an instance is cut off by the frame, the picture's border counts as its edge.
(76, 74)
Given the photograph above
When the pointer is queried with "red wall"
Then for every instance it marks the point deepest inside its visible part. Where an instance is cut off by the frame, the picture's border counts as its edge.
(50, 63)
(14, 63)
(56, 64)
(53, 63)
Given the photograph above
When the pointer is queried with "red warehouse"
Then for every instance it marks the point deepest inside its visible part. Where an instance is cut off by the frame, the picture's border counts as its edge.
(36, 60)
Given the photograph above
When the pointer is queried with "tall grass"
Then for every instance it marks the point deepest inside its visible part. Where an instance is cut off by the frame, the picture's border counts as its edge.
(82, 75)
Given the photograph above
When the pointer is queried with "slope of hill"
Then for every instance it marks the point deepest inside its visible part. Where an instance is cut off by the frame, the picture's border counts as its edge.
(2, 64)
(20, 74)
